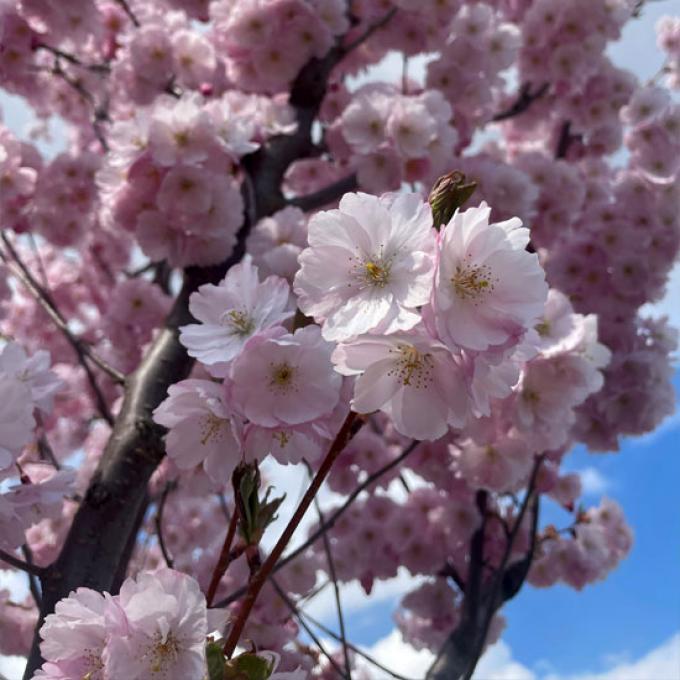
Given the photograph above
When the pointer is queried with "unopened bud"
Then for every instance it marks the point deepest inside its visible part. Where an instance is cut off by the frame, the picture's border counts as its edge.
(448, 194)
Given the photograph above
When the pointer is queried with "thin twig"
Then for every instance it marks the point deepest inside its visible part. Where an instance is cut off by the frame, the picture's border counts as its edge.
(298, 615)
(99, 113)
(336, 587)
(524, 100)
(357, 650)
(331, 520)
(44, 298)
(346, 432)
(224, 558)
(44, 449)
(369, 31)
(60, 322)
(128, 10)
(72, 59)
(33, 582)
(18, 563)
(159, 523)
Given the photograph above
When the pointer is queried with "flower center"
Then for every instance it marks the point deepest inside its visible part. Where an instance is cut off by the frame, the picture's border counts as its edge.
(282, 438)
(162, 653)
(377, 274)
(212, 427)
(282, 377)
(412, 368)
(372, 271)
(543, 328)
(95, 665)
(239, 322)
(472, 282)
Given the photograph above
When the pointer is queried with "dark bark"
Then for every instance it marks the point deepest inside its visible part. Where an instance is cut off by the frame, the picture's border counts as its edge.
(99, 542)
(460, 654)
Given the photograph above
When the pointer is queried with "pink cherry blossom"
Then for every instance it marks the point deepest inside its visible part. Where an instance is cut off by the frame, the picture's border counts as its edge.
(34, 371)
(487, 289)
(409, 376)
(16, 418)
(73, 638)
(162, 630)
(369, 265)
(203, 428)
(232, 312)
(285, 379)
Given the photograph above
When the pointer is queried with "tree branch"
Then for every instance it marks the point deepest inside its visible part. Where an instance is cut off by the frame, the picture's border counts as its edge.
(99, 542)
(33, 579)
(44, 298)
(126, 8)
(224, 559)
(330, 522)
(298, 615)
(336, 588)
(159, 523)
(357, 650)
(460, 653)
(346, 432)
(18, 563)
(328, 194)
(564, 141)
(524, 100)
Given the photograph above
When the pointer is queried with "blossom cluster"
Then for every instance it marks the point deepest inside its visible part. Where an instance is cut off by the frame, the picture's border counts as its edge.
(475, 350)
(28, 387)
(157, 626)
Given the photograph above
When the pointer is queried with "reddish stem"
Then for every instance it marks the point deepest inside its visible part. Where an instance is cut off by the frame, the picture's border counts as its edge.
(224, 559)
(260, 577)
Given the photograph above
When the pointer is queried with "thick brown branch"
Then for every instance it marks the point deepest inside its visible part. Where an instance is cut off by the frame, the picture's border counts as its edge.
(98, 543)
(460, 653)
(327, 195)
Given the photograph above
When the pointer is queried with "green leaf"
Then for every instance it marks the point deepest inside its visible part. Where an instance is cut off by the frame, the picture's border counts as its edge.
(248, 667)
(216, 661)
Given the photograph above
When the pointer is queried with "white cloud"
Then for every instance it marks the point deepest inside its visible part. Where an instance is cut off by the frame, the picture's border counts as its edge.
(354, 599)
(498, 664)
(393, 653)
(661, 663)
(593, 482)
(14, 581)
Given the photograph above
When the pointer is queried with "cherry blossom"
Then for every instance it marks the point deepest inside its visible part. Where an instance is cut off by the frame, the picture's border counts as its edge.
(232, 312)
(488, 289)
(285, 379)
(159, 627)
(369, 265)
(204, 430)
(203, 279)
(408, 376)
